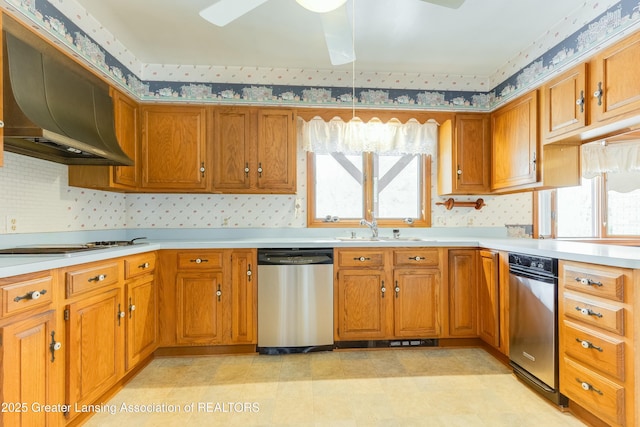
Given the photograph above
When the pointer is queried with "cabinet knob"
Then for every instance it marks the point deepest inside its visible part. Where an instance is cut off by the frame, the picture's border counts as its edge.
(580, 101)
(199, 260)
(260, 170)
(587, 345)
(144, 266)
(1, 124)
(98, 278)
(54, 346)
(416, 258)
(588, 387)
(588, 282)
(598, 93)
(588, 312)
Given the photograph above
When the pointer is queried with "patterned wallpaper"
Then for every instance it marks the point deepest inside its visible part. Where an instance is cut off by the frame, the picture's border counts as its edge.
(36, 193)
(595, 24)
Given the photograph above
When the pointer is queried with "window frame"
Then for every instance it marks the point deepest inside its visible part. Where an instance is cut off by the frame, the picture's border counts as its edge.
(368, 197)
(600, 215)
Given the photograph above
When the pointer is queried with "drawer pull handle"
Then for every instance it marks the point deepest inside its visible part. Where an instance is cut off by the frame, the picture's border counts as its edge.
(363, 259)
(98, 278)
(586, 344)
(416, 258)
(30, 295)
(588, 311)
(198, 260)
(588, 387)
(144, 266)
(588, 282)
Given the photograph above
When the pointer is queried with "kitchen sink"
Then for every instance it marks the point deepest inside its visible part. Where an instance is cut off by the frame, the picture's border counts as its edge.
(383, 239)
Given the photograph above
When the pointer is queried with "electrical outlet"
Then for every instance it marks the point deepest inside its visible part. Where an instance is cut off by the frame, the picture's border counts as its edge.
(12, 224)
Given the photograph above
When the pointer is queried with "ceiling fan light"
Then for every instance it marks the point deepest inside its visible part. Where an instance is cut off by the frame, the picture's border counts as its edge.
(321, 6)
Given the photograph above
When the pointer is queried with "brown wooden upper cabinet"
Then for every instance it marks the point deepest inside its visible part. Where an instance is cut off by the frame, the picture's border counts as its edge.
(514, 153)
(464, 151)
(115, 178)
(565, 103)
(174, 149)
(615, 80)
(254, 150)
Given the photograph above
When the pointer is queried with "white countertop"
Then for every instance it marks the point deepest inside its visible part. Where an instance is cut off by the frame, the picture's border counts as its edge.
(620, 256)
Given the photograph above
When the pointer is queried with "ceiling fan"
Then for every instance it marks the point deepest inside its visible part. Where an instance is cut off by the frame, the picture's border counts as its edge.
(335, 22)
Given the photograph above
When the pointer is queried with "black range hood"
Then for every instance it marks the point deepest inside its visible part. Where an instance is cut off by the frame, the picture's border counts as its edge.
(53, 108)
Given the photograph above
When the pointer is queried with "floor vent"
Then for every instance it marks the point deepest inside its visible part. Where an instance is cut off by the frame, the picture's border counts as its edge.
(388, 343)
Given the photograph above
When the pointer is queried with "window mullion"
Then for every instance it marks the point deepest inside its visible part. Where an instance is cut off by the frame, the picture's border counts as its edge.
(602, 205)
(368, 184)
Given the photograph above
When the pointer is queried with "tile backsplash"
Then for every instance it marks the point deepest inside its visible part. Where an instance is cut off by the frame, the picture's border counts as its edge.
(35, 192)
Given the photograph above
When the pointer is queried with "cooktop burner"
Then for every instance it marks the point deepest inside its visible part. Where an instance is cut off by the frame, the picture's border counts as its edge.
(55, 249)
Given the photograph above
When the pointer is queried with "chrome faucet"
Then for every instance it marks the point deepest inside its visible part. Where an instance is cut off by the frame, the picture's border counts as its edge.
(373, 225)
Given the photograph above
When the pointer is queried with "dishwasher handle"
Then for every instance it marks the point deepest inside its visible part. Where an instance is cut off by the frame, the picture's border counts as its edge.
(302, 256)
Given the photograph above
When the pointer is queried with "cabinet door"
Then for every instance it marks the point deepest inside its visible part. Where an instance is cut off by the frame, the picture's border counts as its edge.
(126, 122)
(462, 293)
(30, 370)
(416, 303)
(564, 103)
(142, 320)
(276, 151)
(488, 299)
(199, 307)
(615, 80)
(95, 329)
(174, 152)
(242, 300)
(363, 299)
(515, 143)
(232, 163)
(472, 151)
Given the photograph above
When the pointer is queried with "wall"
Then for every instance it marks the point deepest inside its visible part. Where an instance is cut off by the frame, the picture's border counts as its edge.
(36, 193)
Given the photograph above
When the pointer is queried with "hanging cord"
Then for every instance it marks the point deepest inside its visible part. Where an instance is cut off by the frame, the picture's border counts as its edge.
(353, 63)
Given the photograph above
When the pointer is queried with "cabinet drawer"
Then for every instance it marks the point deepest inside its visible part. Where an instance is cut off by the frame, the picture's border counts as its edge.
(199, 260)
(138, 265)
(605, 282)
(27, 293)
(416, 257)
(602, 397)
(596, 350)
(606, 316)
(361, 258)
(92, 277)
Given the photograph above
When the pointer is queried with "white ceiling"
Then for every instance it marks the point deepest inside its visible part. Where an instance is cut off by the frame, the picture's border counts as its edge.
(390, 35)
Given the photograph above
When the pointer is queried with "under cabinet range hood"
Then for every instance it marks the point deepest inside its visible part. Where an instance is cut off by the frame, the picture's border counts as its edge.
(54, 110)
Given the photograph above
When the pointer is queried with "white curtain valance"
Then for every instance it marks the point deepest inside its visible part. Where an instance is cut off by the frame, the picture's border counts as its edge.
(356, 136)
(621, 162)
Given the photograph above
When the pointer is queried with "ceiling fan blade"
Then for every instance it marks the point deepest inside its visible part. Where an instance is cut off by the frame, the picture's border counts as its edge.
(339, 36)
(224, 11)
(452, 4)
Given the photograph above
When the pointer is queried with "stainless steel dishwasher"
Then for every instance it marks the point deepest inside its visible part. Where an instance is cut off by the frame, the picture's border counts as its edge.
(295, 300)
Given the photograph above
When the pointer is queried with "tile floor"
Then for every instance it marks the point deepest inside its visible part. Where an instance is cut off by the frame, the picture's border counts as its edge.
(391, 387)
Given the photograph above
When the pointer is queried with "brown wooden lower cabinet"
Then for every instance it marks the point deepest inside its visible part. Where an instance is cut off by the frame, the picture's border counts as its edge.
(597, 340)
(362, 307)
(387, 293)
(141, 320)
(489, 298)
(95, 338)
(208, 297)
(463, 319)
(30, 371)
